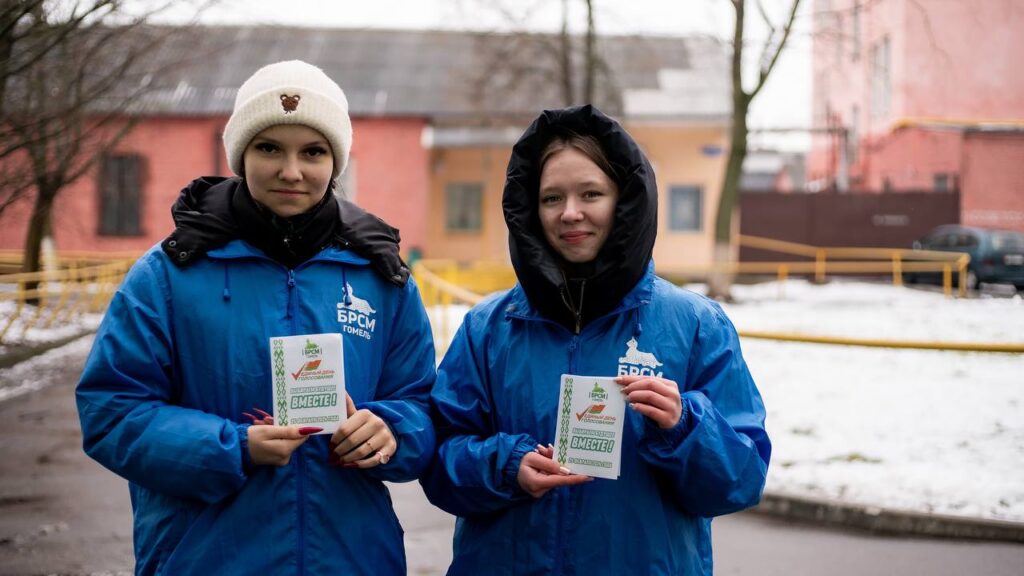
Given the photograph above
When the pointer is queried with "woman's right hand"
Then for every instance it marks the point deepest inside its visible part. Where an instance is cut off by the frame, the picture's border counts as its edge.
(273, 445)
(538, 473)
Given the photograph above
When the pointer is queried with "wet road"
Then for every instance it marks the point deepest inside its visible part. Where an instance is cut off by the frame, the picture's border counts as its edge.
(61, 513)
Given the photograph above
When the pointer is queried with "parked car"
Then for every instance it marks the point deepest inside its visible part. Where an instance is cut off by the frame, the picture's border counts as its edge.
(997, 256)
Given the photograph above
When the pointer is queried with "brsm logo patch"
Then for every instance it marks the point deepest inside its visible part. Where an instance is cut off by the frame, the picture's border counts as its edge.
(356, 315)
(637, 362)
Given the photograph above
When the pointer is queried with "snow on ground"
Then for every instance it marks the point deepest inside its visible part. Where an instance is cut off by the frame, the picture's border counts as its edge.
(37, 372)
(929, 431)
(61, 327)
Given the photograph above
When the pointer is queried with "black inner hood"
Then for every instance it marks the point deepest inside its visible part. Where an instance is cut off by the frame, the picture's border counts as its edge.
(623, 259)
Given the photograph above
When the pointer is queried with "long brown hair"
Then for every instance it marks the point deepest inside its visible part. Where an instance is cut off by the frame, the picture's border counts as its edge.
(586, 144)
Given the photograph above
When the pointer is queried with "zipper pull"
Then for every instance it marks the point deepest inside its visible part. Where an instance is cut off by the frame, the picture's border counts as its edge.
(291, 278)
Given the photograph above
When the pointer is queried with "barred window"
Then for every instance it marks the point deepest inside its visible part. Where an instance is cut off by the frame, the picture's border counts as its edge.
(686, 208)
(463, 206)
(120, 190)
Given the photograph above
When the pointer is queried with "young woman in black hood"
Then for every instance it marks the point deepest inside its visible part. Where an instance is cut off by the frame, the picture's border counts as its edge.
(580, 203)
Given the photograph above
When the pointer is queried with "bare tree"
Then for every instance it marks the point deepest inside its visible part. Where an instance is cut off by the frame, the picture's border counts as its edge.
(70, 73)
(719, 282)
(535, 66)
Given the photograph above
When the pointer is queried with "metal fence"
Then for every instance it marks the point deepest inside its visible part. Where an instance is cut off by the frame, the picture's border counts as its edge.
(74, 285)
(449, 289)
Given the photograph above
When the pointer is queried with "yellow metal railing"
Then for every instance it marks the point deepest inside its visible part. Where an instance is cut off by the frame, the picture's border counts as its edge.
(448, 288)
(81, 283)
(840, 260)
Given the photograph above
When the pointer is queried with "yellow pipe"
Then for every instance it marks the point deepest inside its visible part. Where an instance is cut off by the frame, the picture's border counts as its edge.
(919, 345)
(916, 121)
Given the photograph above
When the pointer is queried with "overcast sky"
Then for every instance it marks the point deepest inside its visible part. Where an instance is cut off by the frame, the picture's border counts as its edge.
(784, 102)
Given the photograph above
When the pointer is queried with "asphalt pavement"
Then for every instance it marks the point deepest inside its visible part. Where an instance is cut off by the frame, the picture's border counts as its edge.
(61, 513)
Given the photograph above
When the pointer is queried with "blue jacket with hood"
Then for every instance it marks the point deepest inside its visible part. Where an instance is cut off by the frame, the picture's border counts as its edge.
(496, 395)
(183, 351)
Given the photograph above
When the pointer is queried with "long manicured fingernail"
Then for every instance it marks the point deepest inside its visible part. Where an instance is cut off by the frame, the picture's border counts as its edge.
(307, 430)
(251, 417)
(261, 412)
(350, 465)
(565, 471)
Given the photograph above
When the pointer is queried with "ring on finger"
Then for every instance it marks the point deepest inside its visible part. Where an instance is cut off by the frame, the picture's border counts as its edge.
(383, 457)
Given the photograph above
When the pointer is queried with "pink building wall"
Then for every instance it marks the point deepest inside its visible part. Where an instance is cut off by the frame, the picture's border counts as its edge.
(993, 170)
(949, 61)
(909, 159)
(392, 174)
(391, 180)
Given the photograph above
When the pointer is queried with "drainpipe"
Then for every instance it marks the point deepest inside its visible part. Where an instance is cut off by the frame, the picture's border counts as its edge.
(843, 177)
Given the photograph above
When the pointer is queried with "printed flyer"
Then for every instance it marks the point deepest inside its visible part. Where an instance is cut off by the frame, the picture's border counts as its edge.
(309, 381)
(591, 411)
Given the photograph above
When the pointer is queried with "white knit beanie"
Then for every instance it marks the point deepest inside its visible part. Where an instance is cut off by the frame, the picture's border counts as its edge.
(291, 92)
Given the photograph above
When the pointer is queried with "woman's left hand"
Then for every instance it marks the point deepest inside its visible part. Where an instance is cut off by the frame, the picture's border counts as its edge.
(363, 441)
(655, 398)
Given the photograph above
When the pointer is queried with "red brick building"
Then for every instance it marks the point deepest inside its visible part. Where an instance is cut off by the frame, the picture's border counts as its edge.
(922, 96)
(434, 117)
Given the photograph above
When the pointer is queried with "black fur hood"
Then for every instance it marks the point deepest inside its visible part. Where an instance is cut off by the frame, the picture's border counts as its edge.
(623, 259)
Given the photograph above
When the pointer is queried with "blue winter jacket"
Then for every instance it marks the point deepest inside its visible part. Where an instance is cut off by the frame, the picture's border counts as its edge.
(496, 398)
(182, 352)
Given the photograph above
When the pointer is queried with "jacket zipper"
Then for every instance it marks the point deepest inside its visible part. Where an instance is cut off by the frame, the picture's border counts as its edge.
(573, 356)
(564, 496)
(291, 298)
(300, 463)
(579, 312)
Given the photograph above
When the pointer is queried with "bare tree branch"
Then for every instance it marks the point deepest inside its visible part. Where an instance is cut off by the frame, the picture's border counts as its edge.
(68, 82)
(766, 71)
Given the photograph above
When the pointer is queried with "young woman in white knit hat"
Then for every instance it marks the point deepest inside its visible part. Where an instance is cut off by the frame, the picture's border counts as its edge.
(173, 395)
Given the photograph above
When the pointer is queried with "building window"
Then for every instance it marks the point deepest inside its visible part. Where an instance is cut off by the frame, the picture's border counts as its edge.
(941, 183)
(686, 208)
(120, 189)
(880, 78)
(463, 206)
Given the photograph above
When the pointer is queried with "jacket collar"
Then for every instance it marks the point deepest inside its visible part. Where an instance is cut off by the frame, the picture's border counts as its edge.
(519, 306)
(240, 249)
(204, 223)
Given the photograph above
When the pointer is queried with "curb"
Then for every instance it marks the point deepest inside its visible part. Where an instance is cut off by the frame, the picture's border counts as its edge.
(22, 353)
(887, 520)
